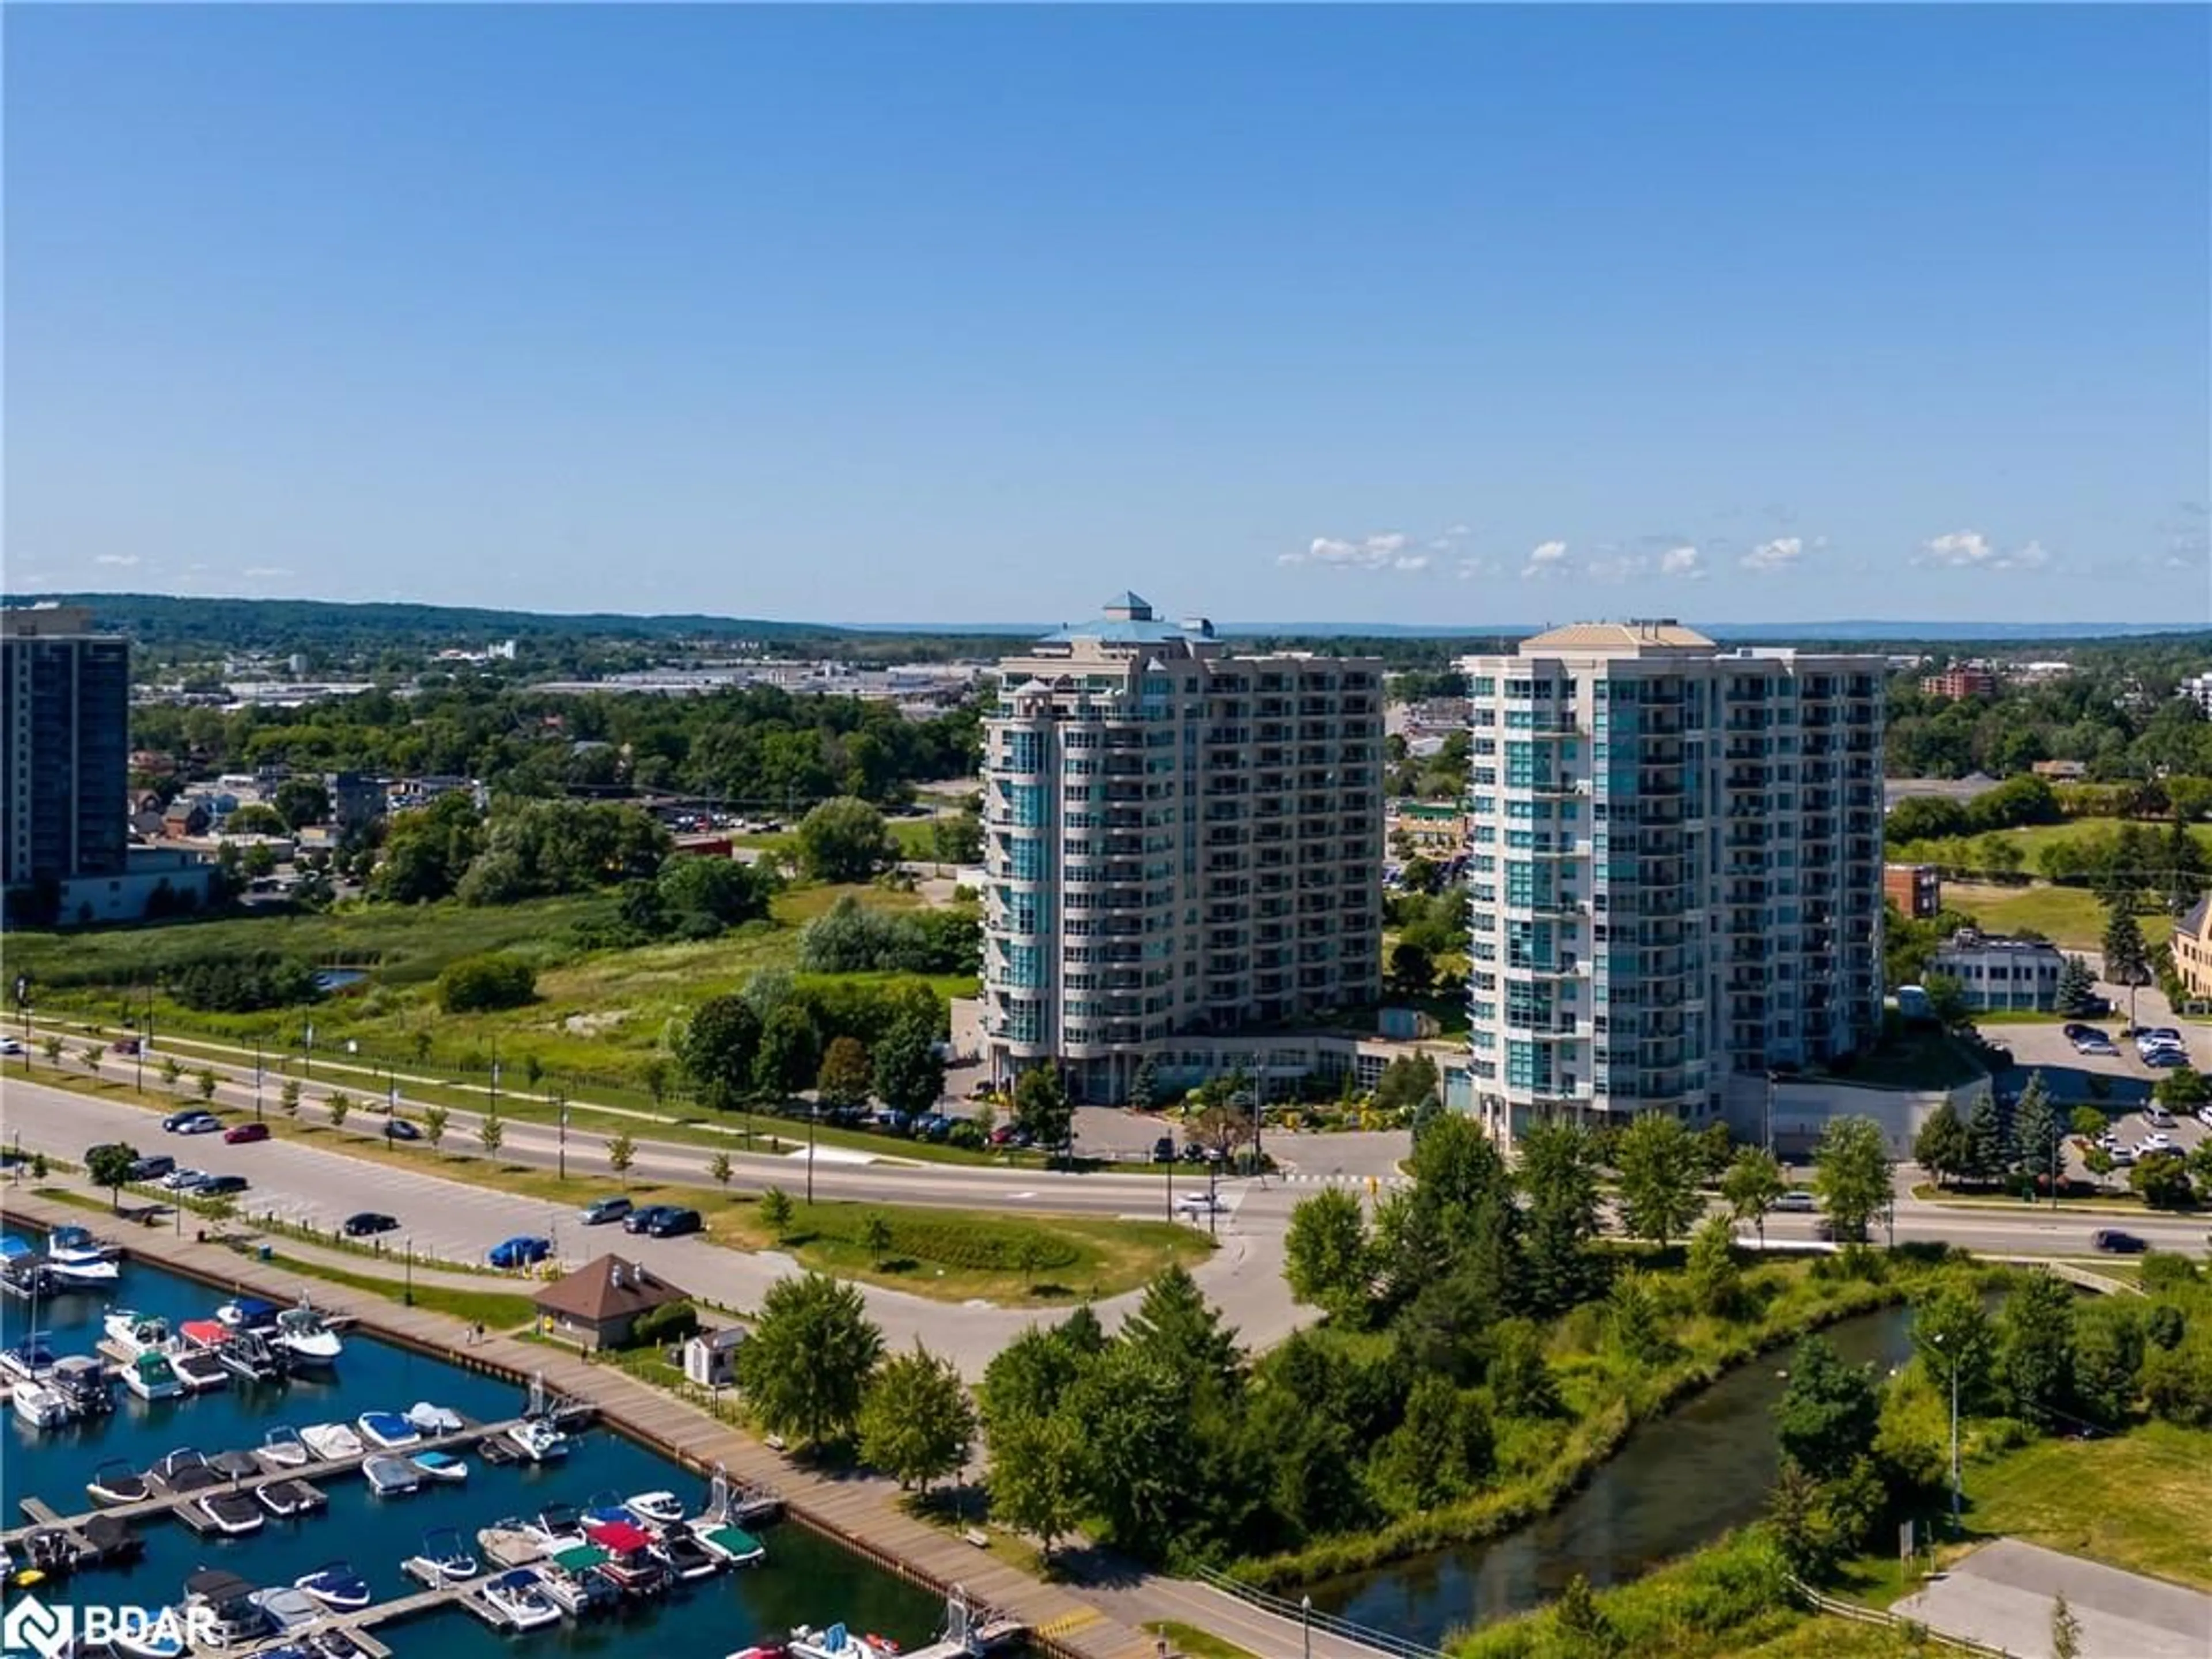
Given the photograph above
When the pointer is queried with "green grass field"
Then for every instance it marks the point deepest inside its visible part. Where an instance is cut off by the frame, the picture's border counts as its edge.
(2068, 916)
(2138, 1501)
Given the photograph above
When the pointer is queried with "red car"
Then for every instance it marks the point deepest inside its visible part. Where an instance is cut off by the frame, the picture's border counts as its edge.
(245, 1132)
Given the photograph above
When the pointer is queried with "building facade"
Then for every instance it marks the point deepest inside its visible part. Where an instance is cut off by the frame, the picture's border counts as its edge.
(2193, 951)
(64, 760)
(1177, 840)
(1676, 869)
(1997, 973)
(1960, 681)
(1917, 890)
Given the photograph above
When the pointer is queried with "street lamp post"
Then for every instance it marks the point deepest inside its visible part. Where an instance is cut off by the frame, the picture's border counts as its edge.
(408, 1299)
(1954, 1360)
(813, 1112)
(1305, 1623)
(256, 1079)
(561, 1101)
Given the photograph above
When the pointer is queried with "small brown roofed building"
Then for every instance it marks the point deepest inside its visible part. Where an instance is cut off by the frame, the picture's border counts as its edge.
(598, 1304)
(183, 819)
(2192, 950)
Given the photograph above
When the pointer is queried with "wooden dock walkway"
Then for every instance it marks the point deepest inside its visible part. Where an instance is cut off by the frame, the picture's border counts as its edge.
(859, 1511)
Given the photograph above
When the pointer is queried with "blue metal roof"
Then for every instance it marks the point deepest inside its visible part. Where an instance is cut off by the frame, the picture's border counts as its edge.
(1119, 633)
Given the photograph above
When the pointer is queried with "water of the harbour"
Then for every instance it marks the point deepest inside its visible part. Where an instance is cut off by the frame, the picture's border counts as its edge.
(804, 1579)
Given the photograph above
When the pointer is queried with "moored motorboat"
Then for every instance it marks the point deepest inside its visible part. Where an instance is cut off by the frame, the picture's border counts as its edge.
(519, 1597)
(333, 1443)
(390, 1476)
(288, 1497)
(81, 1260)
(116, 1482)
(538, 1440)
(197, 1369)
(301, 1333)
(235, 1465)
(156, 1633)
(282, 1449)
(135, 1333)
(572, 1579)
(631, 1563)
(234, 1514)
(247, 1313)
(29, 1359)
(336, 1586)
(289, 1606)
(733, 1544)
(41, 1406)
(555, 1527)
(184, 1470)
(388, 1430)
(440, 1466)
(684, 1555)
(252, 1358)
(151, 1376)
(763, 1650)
(434, 1420)
(442, 1560)
(838, 1642)
(83, 1381)
(604, 1506)
(660, 1509)
(222, 1605)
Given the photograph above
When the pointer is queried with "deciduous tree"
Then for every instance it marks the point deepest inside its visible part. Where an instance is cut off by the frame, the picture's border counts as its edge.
(1752, 1184)
(1827, 1414)
(622, 1152)
(807, 1365)
(1325, 1257)
(1659, 1164)
(1040, 1105)
(916, 1421)
(842, 1081)
(1851, 1174)
(109, 1166)
(1941, 1147)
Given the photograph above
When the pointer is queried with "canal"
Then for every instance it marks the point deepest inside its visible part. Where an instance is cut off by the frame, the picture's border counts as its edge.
(1677, 1484)
(805, 1579)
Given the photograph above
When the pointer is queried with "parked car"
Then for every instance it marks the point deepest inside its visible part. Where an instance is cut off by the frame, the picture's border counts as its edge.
(2158, 1118)
(10, 1046)
(1008, 1135)
(2095, 1043)
(399, 1128)
(2074, 1031)
(1198, 1203)
(185, 1181)
(365, 1222)
(2204, 1115)
(152, 1168)
(932, 1125)
(218, 1186)
(523, 1250)
(239, 1133)
(1795, 1201)
(2113, 1241)
(1163, 1149)
(2154, 1143)
(601, 1210)
(191, 1124)
(1193, 1152)
(671, 1221)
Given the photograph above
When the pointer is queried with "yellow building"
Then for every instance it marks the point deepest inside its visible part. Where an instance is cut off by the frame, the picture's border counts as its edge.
(2192, 950)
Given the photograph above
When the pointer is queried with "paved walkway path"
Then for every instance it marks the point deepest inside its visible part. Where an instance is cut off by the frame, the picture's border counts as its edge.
(2002, 1594)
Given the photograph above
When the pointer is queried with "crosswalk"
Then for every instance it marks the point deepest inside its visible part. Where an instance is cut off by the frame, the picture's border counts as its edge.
(1338, 1178)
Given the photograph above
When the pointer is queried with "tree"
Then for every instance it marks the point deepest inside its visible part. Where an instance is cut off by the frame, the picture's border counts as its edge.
(775, 1208)
(844, 840)
(491, 1132)
(1716, 1281)
(2089, 1122)
(435, 1119)
(916, 1421)
(1583, 1624)
(2077, 987)
(1145, 1086)
(1946, 1001)
(338, 1105)
(789, 1057)
(1851, 1174)
(1951, 1334)
(1827, 1414)
(717, 1051)
(2127, 959)
(300, 802)
(1941, 1147)
(909, 1072)
(109, 1166)
(2162, 1179)
(842, 1082)
(1987, 1153)
(2035, 1349)
(1412, 970)
(1039, 1473)
(806, 1368)
(2100, 1163)
(205, 1083)
(622, 1152)
(289, 1096)
(1042, 1107)
(876, 1238)
(2183, 864)
(1326, 1256)
(717, 889)
(1408, 1083)
(89, 1057)
(2184, 1089)
(1659, 1162)
(2065, 1630)
(1753, 1181)
(171, 1071)
(653, 1073)
(2036, 1135)
(483, 984)
(718, 1170)
(1174, 1325)
(51, 1046)
(1559, 1173)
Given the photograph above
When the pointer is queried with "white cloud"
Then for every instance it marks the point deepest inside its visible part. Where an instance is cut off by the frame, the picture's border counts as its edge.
(1780, 554)
(124, 559)
(1970, 549)
(1680, 562)
(261, 571)
(1457, 531)
(1471, 568)
(1385, 550)
(1544, 557)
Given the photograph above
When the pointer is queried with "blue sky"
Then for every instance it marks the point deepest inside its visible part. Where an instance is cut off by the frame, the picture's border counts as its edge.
(1470, 315)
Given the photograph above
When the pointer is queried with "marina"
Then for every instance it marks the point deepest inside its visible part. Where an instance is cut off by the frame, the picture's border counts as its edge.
(698, 1581)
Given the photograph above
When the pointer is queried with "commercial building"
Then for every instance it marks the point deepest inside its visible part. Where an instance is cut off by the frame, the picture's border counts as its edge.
(1962, 680)
(1674, 877)
(2198, 687)
(2192, 950)
(65, 759)
(599, 1306)
(1177, 840)
(1997, 973)
(1917, 890)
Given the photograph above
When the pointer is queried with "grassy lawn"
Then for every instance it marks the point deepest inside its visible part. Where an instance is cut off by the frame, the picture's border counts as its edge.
(493, 1309)
(1830, 1637)
(1195, 1644)
(2068, 916)
(2138, 1502)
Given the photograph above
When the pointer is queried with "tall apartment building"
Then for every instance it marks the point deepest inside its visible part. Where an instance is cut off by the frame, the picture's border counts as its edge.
(1177, 840)
(1675, 869)
(65, 711)
(1959, 681)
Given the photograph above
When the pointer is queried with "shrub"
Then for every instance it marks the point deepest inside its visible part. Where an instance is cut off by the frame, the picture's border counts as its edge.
(475, 984)
(243, 985)
(670, 1322)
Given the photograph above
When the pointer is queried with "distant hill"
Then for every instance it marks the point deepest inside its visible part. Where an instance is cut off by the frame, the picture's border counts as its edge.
(175, 620)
